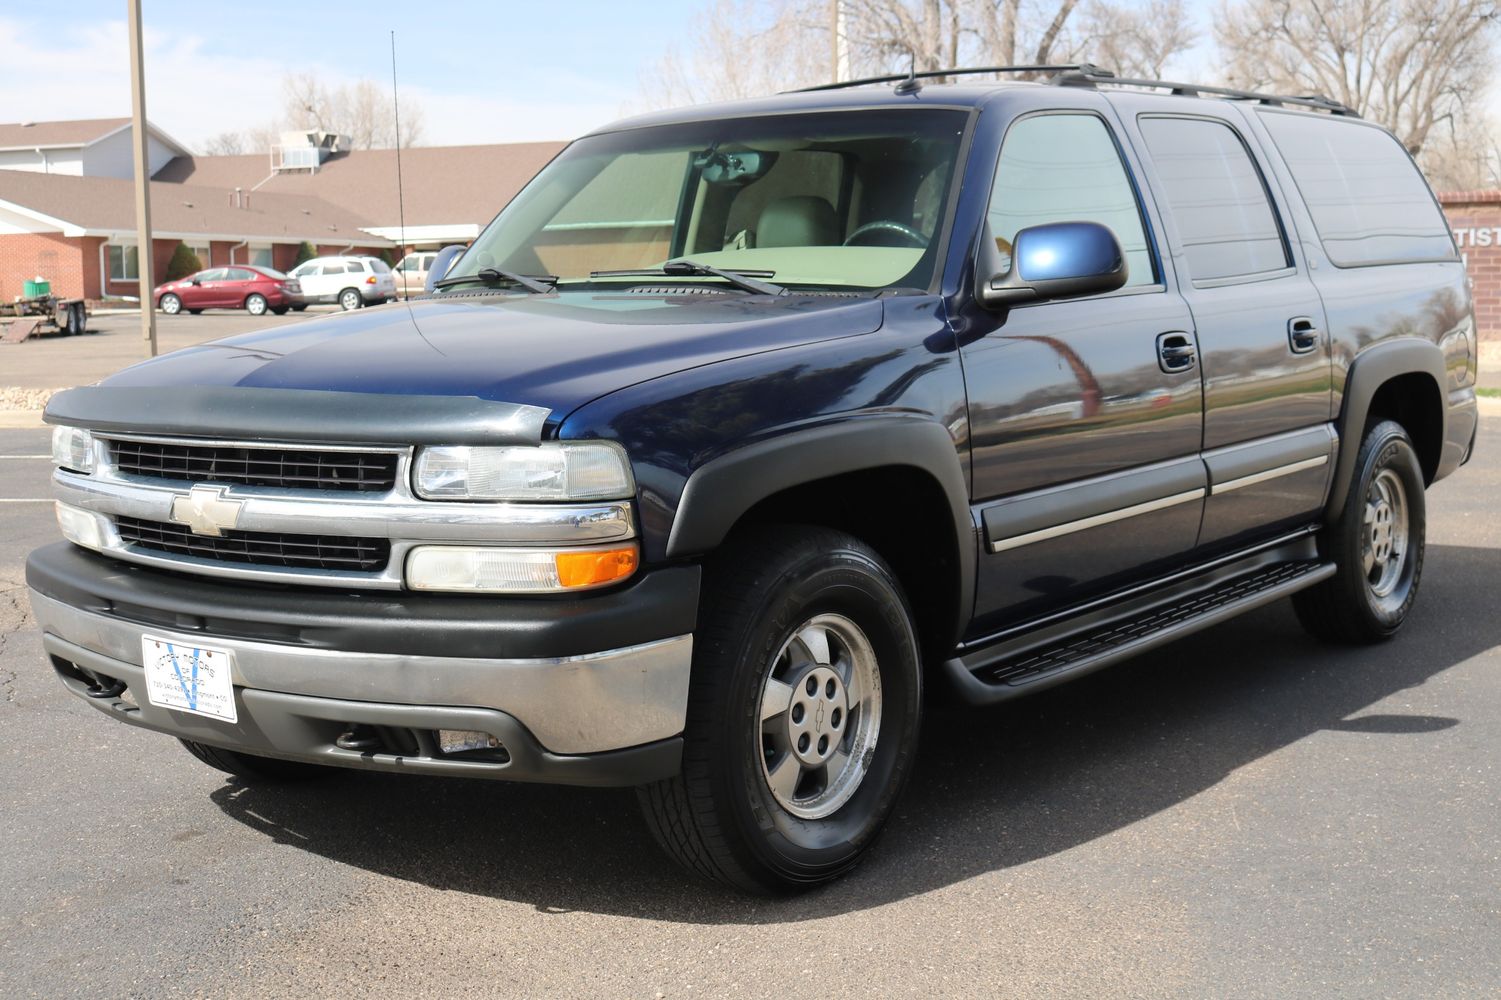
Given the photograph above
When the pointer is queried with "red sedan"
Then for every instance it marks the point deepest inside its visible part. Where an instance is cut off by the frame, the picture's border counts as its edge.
(254, 289)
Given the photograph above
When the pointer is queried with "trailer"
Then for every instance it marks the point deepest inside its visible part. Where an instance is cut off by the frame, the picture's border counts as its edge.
(39, 315)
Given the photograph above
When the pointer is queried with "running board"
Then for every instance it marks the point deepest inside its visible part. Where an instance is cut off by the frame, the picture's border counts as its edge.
(1024, 661)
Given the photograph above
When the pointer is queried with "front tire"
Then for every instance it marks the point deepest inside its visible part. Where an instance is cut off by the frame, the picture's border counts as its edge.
(249, 766)
(349, 299)
(171, 304)
(1377, 543)
(255, 304)
(803, 713)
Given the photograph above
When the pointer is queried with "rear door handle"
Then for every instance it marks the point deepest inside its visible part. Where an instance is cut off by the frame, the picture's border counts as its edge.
(1303, 335)
(1175, 352)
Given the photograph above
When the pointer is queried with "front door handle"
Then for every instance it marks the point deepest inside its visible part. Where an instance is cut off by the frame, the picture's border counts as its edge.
(1303, 334)
(1175, 352)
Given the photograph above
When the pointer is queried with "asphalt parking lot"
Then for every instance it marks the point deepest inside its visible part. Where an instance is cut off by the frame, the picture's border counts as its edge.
(1246, 813)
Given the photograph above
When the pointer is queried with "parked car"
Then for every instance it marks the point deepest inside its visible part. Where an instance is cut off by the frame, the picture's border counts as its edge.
(411, 272)
(241, 286)
(984, 386)
(352, 282)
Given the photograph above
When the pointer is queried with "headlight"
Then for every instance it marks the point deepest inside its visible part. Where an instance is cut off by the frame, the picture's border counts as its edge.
(584, 470)
(517, 571)
(73, 448)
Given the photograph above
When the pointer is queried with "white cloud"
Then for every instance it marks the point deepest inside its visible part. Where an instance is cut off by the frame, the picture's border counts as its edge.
(193, 93)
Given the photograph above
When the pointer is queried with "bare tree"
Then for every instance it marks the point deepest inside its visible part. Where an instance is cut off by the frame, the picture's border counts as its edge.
(224, 144)
(743, 49)
(1408, 64)
(361, 110)
(1136, 41)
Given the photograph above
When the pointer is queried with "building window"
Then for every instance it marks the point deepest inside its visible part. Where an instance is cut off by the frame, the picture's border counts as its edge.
(124, 263)
(260, 256)
(203, 254)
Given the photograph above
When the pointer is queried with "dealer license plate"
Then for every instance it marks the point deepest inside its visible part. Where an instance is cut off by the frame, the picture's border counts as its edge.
(189, 677)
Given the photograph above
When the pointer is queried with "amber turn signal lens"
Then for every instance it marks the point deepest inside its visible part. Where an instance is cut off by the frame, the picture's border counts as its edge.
(590, 569)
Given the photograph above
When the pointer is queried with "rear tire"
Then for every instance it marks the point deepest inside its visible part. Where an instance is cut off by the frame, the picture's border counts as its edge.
(196, 312)
(803, 713)
(255, 304)
(279, 310)
(251, 767)
(349, 299)
(1377, 543)
(298, 308)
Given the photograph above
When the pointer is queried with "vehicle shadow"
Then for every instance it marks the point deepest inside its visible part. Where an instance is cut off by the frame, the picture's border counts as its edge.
(993, 789)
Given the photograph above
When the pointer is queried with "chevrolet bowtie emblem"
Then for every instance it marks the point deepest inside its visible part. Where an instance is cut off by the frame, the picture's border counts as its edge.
(205, 511)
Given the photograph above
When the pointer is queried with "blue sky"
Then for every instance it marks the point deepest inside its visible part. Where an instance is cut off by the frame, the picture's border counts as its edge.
(483, 72)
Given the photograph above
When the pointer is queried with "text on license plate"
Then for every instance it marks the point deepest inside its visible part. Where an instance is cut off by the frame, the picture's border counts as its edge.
(188, 677)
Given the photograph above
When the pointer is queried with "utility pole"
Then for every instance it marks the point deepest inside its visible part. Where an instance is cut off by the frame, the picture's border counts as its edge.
(141, 143)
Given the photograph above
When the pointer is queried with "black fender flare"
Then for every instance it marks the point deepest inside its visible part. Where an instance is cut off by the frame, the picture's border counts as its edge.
(720, 491)
(1372, 368)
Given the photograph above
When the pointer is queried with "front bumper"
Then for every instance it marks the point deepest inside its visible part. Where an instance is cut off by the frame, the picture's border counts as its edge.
(583, 691)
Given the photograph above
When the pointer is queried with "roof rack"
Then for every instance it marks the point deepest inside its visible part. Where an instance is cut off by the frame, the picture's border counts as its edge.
(1084, 71)
(1090, 75)
(1083, 77)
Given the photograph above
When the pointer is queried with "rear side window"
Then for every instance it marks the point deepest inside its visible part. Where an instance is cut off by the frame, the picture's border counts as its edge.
(355, 266)
(1369, 203)
(1066, 168)
(1218, 198)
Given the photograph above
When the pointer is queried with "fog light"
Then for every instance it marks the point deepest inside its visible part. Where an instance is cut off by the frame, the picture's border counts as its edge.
(464, 740)
(517, 571)
(82, 527)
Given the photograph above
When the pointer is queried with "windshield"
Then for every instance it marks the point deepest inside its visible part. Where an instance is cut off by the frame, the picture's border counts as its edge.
(846, 200)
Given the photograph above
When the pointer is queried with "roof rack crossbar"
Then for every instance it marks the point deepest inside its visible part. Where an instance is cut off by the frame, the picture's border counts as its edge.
(1086, 69)
(1083, 78)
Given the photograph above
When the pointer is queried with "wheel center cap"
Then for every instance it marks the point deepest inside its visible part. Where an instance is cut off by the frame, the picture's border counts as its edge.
(817, 715)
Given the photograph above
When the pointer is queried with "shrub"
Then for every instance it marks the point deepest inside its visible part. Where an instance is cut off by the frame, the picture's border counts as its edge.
(305, 253)
(183, 263)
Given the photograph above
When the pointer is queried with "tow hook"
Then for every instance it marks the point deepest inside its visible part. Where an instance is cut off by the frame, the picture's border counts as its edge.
(359, 738)
(105, 687)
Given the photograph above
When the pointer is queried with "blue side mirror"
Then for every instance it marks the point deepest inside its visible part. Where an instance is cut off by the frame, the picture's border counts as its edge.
(1053, 261)
(442, 264)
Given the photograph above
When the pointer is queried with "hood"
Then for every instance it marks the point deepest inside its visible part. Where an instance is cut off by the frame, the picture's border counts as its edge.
(555, 351)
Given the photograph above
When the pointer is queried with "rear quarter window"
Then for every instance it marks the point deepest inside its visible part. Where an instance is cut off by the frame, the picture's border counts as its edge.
(379, 266)
(1369, 202)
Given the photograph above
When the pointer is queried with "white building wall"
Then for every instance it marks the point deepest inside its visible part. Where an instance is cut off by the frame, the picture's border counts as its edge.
(49, 161)
(113, 157)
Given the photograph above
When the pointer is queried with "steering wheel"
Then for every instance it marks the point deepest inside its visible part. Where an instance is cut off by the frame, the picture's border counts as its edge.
(887, 227)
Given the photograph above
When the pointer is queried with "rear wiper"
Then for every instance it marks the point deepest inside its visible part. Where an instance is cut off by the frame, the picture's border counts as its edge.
(743, 280)
(539, 283)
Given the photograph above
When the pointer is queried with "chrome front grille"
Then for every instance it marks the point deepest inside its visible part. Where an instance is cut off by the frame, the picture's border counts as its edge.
(325, 515)
(345, 553)
(276, 467)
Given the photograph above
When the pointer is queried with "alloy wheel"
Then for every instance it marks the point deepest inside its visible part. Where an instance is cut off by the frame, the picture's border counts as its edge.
(820, 716)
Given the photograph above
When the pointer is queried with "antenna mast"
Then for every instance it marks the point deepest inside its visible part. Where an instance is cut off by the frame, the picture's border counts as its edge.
(401, 210)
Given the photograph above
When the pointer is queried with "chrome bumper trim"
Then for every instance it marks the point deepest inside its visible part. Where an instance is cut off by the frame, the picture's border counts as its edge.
(572, 705)
(380, 515)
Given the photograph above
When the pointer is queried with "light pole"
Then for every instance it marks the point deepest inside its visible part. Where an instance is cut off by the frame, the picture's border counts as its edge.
(141, 143)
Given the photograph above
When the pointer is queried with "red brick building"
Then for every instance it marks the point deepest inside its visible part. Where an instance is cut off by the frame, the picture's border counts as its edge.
(67, 206)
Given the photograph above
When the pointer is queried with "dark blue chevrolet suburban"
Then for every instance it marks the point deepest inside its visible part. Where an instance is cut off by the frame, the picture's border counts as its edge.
(742, 425)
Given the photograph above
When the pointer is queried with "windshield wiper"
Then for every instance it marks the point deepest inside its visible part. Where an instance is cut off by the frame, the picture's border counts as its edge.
(539, 283)
(743, 280)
